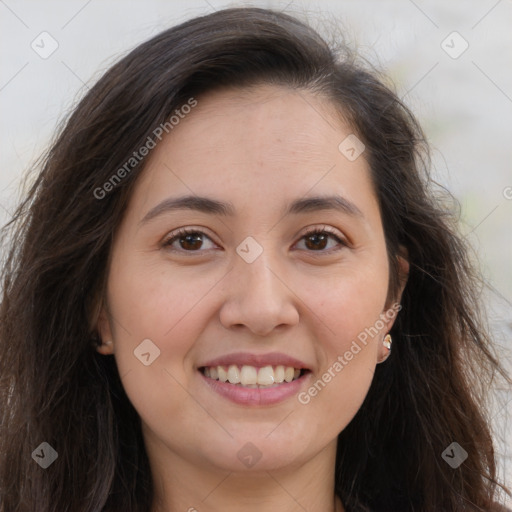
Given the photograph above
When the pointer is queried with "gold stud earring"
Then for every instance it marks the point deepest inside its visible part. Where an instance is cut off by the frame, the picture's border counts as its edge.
(387, 341)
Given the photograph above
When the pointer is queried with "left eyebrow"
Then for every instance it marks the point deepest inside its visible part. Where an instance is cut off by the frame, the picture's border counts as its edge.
(215, 207)
(318, 203)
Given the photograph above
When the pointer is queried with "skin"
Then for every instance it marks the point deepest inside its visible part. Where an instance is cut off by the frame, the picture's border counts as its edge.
(259, 149)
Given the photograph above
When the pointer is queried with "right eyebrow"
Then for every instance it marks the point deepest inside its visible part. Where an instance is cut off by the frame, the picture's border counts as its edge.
(197, 203)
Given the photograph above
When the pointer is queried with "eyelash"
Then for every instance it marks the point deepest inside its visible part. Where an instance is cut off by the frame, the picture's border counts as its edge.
(191, 231)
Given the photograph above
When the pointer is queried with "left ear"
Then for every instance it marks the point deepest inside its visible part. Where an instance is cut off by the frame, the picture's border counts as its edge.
(402, 258)
(106, 343)
(403, 269)
(389, 315)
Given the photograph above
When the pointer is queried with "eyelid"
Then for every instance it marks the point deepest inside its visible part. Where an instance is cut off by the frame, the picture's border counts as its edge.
(324, 228)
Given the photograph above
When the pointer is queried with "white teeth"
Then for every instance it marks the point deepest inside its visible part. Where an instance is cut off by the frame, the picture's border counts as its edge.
(248, 375)
(265, 376)
(279, 374)
(234, 374)
(288, 374)
(252, 377)
(223, 374)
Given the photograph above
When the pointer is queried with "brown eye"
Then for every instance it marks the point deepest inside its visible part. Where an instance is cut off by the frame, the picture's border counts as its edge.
(318, 239)
(188, 240)
(191, 242)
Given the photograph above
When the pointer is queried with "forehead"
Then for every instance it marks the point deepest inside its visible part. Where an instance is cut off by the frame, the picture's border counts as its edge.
(268, 140)
(284, 120)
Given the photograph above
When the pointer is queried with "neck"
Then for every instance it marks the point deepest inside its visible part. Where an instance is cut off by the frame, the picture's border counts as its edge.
(182, 486)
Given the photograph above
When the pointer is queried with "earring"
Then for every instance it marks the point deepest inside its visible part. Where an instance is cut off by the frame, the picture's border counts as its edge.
(387, 343)
(98, 342)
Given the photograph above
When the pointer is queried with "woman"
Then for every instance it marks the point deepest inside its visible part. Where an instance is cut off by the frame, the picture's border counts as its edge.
(232, 286)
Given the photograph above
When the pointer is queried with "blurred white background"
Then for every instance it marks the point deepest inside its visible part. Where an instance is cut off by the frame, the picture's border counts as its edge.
(460, 86)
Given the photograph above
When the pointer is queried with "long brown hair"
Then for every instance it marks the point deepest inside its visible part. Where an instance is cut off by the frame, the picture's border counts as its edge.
(56, 388)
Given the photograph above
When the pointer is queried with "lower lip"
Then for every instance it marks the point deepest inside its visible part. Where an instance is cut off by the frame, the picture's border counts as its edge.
(256, 396)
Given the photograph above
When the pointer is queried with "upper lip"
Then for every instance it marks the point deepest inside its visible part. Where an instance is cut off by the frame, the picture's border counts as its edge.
(258, 360)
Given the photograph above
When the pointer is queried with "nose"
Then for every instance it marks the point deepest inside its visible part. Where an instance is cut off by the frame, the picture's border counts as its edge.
(258, 298)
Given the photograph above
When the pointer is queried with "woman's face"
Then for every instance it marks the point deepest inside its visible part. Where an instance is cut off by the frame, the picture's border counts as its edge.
(248, 287)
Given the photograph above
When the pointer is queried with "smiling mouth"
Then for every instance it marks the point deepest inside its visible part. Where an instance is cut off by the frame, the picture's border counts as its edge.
(254, 377)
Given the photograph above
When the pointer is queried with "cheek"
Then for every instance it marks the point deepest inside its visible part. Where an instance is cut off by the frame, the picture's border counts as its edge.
(156, 300)
(155, 323)
(349, 330)
(350, 302)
